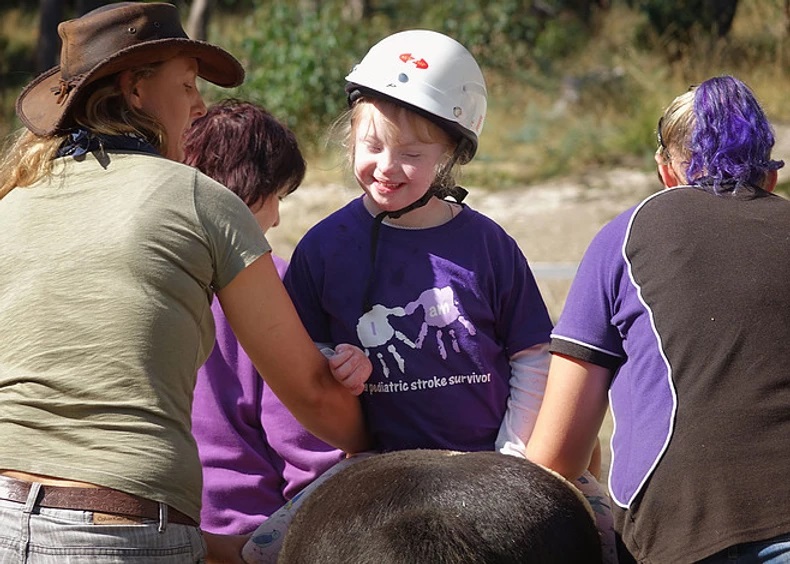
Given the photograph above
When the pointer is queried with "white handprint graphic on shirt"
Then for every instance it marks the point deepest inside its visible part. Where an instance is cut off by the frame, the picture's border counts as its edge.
(439, 311)
(374, 330)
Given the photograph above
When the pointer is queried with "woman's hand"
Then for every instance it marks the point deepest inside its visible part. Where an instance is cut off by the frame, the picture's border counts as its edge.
(351, 367)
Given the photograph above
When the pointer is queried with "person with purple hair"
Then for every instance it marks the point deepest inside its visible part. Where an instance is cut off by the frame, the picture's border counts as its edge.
(679, 315)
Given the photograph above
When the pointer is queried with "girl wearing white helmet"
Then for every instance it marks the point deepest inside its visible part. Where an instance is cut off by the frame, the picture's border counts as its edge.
(439, 296)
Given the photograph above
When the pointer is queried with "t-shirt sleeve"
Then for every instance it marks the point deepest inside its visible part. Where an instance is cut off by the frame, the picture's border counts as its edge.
(585, 330)
(235, 238)
(302, 456)
(522, 317)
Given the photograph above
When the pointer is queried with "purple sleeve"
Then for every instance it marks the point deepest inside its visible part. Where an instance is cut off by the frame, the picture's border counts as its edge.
(242, 479)
(586, 329)
(280, 264)
(304, 456)
(255, 455)
(523, 316)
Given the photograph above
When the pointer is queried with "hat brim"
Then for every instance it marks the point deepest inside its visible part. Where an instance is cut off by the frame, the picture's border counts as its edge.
(37, 105)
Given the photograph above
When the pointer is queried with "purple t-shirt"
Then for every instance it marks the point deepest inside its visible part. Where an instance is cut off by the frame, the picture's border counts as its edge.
(255, 455)
(605, 321)
(450, 305)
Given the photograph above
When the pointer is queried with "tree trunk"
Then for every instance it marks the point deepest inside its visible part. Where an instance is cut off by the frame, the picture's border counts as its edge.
(51, 13)
(48, 45)
(787, 17)
(358, 10)
(197, 23)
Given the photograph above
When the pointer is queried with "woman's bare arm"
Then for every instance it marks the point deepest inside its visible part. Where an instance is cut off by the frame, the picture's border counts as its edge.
(267, 326)
(566, 432)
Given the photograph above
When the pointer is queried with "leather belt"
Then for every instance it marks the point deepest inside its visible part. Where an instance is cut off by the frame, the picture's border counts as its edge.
(100, 500)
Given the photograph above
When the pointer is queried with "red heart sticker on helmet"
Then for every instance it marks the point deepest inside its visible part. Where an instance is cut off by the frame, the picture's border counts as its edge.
(406, 57)
(421, 64)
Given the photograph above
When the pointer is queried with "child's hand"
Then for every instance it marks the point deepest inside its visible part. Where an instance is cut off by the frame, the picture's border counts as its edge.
(351, 367)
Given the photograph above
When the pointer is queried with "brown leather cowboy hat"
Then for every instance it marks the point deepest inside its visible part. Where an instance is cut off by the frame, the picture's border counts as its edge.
(108, 40)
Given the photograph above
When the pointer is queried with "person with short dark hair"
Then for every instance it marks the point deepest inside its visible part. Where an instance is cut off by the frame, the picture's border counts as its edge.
(255, 455)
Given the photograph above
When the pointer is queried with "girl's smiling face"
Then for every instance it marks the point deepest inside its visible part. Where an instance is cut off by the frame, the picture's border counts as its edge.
(396, 153)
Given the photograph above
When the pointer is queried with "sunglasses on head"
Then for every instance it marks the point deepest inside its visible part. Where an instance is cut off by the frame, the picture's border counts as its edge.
(662, 146)
(659, 136)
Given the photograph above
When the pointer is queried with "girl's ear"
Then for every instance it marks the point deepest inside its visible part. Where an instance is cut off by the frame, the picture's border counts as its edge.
(666, 172)
(770, 181)
(128, 87)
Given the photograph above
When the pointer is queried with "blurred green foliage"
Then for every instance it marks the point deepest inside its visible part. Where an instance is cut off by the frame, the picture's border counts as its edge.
(573, 84)
(506, 35)
(298, 53)
(296, 61)
(682, 20)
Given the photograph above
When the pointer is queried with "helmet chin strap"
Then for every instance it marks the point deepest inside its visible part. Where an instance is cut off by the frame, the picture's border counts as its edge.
(457, 192)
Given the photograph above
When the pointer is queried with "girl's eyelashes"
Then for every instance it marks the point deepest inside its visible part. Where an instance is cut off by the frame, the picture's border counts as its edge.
(370, 146)
(375, 146)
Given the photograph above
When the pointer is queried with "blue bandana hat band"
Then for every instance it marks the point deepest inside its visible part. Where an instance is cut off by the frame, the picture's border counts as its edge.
(81, 141)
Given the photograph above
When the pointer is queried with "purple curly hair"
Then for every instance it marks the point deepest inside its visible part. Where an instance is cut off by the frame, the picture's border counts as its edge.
(732, 139)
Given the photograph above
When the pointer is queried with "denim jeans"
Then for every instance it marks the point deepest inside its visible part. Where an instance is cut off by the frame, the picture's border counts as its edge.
(30, 534)
(770, 551)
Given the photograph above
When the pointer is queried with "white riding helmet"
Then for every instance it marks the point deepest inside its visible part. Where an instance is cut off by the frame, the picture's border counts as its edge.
(430, 73)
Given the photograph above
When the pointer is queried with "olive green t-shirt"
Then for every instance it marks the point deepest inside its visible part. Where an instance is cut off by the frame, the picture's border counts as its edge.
(108, 272)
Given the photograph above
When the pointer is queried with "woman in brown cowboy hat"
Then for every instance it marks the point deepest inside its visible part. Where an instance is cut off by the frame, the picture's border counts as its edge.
(111, 255)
